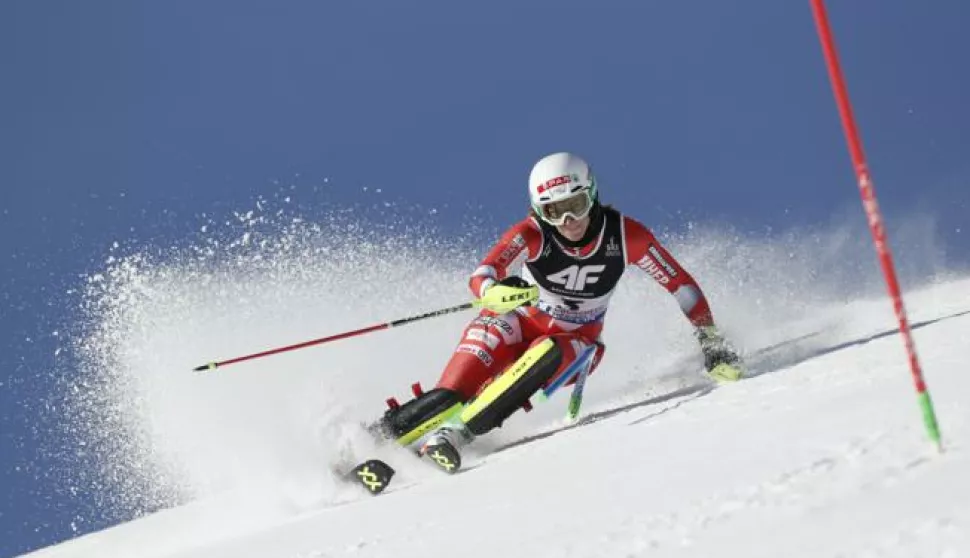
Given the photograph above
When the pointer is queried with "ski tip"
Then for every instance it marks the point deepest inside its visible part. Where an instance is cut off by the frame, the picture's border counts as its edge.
(374, 475)
(443, 455)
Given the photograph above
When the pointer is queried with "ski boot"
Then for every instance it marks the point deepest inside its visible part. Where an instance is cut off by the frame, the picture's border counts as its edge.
(414, 426)
(494, 403)
(428, 426)
(437, 423)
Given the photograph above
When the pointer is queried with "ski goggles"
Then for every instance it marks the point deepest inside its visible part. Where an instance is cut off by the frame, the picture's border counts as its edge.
(576, 207)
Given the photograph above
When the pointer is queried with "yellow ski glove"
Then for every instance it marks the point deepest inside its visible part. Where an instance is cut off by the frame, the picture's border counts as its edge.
(507, 295)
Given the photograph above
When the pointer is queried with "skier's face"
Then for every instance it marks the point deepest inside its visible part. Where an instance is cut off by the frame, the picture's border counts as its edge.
(574, 229)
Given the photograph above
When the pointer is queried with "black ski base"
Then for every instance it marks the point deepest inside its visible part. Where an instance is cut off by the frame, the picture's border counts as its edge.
(374, 475)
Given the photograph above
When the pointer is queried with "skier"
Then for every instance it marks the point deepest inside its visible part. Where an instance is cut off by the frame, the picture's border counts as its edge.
(575, 249)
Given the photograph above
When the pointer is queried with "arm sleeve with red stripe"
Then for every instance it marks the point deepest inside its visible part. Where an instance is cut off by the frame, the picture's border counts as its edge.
(645, 252)
(522, 241)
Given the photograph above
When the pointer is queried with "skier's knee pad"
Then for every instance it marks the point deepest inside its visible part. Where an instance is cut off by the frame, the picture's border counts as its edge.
(421, 415)
(511, 389)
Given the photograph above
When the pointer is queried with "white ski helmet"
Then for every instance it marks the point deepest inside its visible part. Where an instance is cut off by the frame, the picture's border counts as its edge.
(561, 185)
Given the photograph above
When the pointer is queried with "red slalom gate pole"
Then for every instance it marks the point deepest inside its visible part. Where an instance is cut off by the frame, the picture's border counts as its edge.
(876, 226)
(388, 325)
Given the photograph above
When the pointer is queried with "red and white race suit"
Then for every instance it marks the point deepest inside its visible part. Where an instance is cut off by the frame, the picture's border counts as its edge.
(575, 286)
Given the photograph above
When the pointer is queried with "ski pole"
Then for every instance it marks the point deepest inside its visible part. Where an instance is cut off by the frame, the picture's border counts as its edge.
(345, 335)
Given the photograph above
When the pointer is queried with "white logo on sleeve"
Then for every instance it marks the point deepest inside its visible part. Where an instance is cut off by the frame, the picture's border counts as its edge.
(575, 278)
(485, 337)
(653, 270)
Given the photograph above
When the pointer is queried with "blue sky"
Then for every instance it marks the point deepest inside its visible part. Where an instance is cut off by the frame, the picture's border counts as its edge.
(128, 121)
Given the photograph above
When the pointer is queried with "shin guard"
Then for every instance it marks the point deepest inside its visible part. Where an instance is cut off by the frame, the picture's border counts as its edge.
(423, 414)
(512, 389)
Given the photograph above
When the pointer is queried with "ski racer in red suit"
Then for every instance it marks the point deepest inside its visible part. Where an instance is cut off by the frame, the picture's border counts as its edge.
(528, 333)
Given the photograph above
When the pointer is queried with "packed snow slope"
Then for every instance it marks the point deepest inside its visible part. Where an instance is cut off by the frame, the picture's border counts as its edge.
(820, 452)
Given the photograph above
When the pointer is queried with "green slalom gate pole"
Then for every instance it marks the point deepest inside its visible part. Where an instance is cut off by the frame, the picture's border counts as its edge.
(876, 226)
